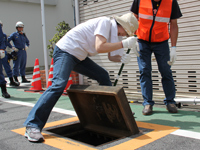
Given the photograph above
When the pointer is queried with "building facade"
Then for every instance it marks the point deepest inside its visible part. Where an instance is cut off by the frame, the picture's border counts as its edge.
(29, 12)
(186, 70)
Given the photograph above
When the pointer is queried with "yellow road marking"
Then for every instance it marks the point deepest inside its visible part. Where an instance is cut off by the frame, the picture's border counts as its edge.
(158, 132)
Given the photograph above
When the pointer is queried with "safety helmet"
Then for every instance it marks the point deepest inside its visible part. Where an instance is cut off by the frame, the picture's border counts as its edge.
(19, 24)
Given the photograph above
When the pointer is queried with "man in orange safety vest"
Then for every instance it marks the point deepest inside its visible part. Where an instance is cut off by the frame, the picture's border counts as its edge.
(154, 17)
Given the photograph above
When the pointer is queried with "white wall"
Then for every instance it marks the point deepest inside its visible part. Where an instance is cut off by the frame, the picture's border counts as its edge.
(30, 14)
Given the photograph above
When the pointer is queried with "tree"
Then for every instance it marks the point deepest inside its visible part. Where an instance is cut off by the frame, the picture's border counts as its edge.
(62, 29)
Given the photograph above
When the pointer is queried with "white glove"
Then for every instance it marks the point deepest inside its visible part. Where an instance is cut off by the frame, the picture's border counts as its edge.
(126, 58)
(129, 42)
(136, 49)
(15, 49)
(172, 56)
(26, 47)
(2, 54)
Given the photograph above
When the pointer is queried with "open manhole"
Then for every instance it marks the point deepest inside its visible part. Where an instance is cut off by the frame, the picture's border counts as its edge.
(104, 114)
(78, 133)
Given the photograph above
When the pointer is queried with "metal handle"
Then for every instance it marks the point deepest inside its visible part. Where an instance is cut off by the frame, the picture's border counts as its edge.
(120, 70)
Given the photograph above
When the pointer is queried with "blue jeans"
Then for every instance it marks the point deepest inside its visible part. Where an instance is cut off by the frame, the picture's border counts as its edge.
(64, 63)
(161, 52)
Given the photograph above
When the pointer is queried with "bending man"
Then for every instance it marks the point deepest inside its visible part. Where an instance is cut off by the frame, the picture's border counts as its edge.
(99, 35)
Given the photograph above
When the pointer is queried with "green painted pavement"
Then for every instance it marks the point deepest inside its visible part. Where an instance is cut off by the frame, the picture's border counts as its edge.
(186, 120)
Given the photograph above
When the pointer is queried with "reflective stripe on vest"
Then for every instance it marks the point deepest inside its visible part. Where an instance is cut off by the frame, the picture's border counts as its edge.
(154, 28)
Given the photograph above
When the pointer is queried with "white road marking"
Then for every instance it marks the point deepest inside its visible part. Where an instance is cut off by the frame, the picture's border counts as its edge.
(59, 110)
(188, 134)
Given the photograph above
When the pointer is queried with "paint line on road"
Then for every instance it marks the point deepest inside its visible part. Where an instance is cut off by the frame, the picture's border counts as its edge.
(17, 102)
(64, 111)
(55, 109)
(188, 134)
(158, 132)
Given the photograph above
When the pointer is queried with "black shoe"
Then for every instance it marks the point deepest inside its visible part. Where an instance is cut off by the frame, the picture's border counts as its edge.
(171, 108)
(13, 83)
(16, 80)
(4, 91)
(6, 95)
(24, 80)
(148, 110)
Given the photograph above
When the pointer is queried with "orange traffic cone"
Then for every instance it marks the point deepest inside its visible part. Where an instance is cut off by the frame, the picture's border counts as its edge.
(68, 84)
(50, 74)
(36, 83)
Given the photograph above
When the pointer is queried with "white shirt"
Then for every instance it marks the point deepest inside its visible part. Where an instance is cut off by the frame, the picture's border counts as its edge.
(80, 41)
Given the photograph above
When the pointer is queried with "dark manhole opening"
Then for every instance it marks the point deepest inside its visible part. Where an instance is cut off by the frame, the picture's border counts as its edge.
(104, 114)
(78, 133)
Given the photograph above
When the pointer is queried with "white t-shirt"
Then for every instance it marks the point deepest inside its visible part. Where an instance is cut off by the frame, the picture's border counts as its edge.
(80, 41)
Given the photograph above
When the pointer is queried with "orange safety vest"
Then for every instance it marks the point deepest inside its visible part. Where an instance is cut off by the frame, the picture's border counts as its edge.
(154, 28)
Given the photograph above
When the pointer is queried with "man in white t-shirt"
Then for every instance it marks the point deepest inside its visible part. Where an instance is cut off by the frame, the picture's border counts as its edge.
(99, 35)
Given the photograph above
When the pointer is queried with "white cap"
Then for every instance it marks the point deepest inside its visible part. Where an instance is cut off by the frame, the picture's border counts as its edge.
(128, 22)
(19, 24)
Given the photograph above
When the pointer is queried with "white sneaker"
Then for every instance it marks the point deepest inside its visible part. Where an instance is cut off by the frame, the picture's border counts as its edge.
(33, 134)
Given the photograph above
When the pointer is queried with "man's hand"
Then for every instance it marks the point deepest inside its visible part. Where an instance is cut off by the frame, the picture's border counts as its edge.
(129, 42)
(15, 49)
(2, 54)
(172, 56)
(126, 58)
(26, 47)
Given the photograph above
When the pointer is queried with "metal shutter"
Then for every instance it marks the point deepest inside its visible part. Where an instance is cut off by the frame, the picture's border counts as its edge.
(186, 70)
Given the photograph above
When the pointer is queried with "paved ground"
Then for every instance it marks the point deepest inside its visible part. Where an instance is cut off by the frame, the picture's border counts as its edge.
(161, 130)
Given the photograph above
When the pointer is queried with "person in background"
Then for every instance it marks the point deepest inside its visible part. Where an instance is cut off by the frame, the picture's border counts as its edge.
(98, 35)
(21, 44)
(3, 82)
(5, 62)
(154, 17)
